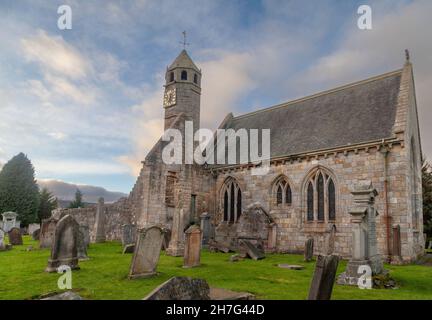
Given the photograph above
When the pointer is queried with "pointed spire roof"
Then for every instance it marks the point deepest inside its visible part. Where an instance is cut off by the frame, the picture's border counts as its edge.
(183, 61)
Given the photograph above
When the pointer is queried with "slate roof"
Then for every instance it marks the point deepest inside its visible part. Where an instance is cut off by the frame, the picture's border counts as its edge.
(183, 60)
(360, 112)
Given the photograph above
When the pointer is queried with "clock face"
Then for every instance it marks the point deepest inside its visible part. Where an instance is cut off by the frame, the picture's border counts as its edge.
(169, 98)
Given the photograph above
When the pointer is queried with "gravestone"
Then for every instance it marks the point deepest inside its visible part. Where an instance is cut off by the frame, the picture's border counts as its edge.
(32, 228)
(176, 244)
(192, 253)
(430, 244)
(15, 237)
(46, 235)
(251, 250)
(128, 234)
(36, 234)
(308, 252)
(85, 230)
(64, 249)
(330, 240)
(290, 266)
(147, 251)
(257, 226)
(396, 258)
(324, 277)
(10, 221)
(364, 240)
(181, 288)
(2, 238)
(129, 248)
(166, 239)
(206, 228)
(82, 244)
(100, 222)
(68, 295)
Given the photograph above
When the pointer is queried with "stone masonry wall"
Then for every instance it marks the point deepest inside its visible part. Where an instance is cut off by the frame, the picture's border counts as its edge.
(117, 214)
(347, 169)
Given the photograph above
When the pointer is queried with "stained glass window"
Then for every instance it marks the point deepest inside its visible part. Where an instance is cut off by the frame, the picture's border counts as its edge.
(331, 200)
(320, 197)
(310, 202)
(279, 195)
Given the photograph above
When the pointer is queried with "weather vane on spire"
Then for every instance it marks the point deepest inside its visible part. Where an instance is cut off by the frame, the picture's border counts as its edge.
(184, 43)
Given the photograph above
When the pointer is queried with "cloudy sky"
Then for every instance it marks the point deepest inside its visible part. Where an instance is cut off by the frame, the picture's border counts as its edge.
(85, 104)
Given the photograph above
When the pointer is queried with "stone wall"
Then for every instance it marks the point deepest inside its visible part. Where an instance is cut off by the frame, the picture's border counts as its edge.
(346, 168)
(116, 214)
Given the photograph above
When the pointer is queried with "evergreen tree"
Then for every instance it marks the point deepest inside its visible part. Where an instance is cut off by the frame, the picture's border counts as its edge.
(77, 203)
(19, 191)
(427, 198)
(47, 204)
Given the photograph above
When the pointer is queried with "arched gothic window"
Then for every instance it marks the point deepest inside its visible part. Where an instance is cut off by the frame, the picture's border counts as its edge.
(320, 197)
(171, 79)
(282, 191)
(232, 201)
(195, 78)
(183, 75)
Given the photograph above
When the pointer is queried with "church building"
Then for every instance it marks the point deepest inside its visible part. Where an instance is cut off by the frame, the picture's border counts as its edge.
(321, 147)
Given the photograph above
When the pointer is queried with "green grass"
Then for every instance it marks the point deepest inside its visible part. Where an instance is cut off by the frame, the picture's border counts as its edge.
(104, 276)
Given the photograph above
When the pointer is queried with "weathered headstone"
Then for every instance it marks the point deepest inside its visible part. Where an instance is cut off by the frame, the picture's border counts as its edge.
(36, 235)
(81, 244)
(181, 288)
(64, 249)
(176, 245)
(85, 230)
(128, 234)
(205, 227)
(147, 251)
(397, 247)
(192, 252)
(290, 266)
(68, 295)
(323, 278)
(32, 228)
(308, 252)
(15, 237)
(2, 237)
(46, 236)
(166, 239)
(256, 225)
(100, 222)
(252, 251)
(330, 240)
(364, 239)
(430, 244)
(129, 248)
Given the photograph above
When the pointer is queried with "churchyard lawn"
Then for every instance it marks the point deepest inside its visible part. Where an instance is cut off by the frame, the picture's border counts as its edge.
(104, 276)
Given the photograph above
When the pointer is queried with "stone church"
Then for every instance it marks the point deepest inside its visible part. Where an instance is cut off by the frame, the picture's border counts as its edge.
(321, 145)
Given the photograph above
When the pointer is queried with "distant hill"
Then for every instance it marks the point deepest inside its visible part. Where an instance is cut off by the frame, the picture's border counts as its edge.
(66, 192)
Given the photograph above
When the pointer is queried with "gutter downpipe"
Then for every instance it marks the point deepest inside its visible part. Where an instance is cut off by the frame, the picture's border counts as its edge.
(385, 151)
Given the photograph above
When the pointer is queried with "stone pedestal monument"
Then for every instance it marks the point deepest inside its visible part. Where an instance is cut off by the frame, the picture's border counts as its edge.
(364, 239)
(10, 221)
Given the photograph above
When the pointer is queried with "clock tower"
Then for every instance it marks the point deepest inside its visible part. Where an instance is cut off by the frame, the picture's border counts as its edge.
(182, 91)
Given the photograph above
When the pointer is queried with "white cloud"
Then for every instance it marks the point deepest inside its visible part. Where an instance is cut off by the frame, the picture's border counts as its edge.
(53, 54)
(57, 135)
(225, 79)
